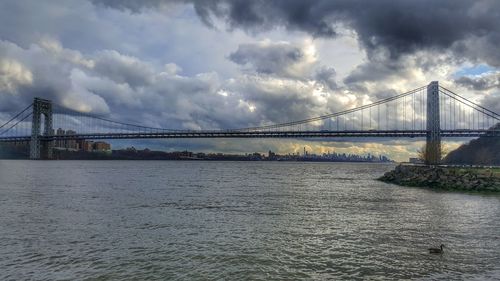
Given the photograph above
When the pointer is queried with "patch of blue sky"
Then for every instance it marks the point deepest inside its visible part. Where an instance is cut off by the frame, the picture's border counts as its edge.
(474, 70)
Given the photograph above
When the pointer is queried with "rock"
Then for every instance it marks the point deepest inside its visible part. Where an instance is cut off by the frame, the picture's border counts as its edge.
(443, 177)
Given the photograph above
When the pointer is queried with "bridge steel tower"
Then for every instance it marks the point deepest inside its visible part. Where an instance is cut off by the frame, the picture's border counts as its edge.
(39, 149)
(433, 139)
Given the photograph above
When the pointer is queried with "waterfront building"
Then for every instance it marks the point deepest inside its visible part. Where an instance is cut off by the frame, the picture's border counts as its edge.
(101, 146)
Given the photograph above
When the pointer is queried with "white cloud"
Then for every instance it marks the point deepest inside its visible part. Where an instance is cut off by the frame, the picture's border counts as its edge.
(54, 48)
(12, 75)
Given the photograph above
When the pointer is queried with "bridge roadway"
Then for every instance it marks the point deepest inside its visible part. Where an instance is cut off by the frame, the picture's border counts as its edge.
(261, 134)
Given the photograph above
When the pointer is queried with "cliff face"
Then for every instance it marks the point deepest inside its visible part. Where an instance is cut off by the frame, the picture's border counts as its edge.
(481, 151)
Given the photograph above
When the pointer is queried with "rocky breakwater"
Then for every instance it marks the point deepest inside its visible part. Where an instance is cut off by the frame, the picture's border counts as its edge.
(451, 178)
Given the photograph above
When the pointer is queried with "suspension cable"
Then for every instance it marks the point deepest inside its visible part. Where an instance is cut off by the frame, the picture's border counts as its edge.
(25, 117)
(337, 113)
(475, 104)
(16, 116)
(70, 112)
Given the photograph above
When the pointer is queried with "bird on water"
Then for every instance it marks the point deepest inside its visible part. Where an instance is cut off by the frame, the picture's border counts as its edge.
(436, 250)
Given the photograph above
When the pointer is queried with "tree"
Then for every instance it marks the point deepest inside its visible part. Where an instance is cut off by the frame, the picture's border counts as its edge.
(422, 152)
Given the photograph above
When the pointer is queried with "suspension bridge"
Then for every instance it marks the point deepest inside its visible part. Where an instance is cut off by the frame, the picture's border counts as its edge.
(431, 111)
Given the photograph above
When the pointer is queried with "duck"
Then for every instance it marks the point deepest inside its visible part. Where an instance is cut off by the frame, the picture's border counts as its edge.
(436, 250)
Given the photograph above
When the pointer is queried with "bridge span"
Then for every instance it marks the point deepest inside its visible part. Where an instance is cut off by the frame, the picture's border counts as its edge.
(431, 111)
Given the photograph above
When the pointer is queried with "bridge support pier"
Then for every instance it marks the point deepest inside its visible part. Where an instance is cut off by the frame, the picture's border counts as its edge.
(433, 139)
(41, 149)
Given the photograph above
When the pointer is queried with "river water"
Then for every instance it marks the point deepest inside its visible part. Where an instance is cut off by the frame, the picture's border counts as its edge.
(176, 220)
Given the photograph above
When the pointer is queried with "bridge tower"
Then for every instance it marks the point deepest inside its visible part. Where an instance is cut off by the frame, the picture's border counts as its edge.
(41, 149)
(433, 139)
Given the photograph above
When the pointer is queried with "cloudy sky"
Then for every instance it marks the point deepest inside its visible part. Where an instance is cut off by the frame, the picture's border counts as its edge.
(227, 64)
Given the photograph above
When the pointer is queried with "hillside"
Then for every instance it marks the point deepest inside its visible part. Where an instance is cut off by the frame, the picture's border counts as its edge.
(481, 151)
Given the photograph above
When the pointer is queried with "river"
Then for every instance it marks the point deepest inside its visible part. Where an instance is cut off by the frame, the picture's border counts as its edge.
(182, 220)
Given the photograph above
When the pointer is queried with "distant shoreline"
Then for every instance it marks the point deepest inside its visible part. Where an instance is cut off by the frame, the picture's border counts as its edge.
(204, 160)
(22, 152)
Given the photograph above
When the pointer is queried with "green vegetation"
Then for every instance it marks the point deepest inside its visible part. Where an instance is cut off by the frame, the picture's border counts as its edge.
(481, 151)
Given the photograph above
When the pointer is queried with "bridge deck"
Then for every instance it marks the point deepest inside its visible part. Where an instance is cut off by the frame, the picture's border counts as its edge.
(261, 134)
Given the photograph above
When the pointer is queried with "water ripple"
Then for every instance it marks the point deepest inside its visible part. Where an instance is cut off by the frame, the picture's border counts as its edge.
(250, 221)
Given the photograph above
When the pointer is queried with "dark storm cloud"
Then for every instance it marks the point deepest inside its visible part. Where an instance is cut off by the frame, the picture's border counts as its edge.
(492, 101)
(374, 71)
(267, 57)
(402, 27)
(327, 77)
(480, 83)
(132, 5)
(75, 23)
(124, 69)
